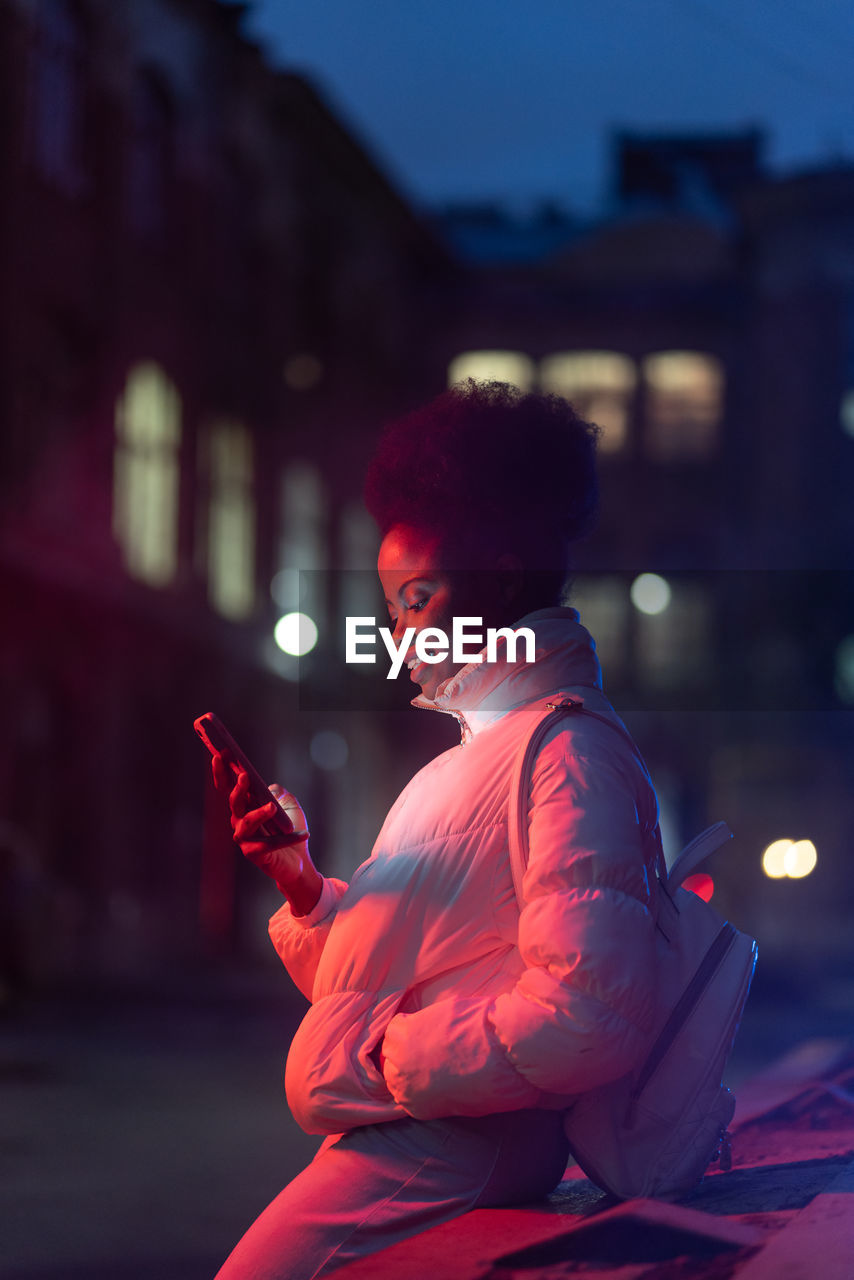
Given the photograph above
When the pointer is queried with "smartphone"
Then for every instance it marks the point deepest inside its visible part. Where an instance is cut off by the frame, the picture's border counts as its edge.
(219, 741)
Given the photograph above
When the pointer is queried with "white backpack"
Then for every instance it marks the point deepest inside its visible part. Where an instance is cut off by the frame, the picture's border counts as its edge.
(655, 1131)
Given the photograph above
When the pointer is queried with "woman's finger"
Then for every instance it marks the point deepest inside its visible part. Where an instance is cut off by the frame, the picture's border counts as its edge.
(221, 773)
(238, 797)
(249, 823)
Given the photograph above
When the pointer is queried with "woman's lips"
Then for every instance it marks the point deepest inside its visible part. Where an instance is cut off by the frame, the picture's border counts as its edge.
(414, 673)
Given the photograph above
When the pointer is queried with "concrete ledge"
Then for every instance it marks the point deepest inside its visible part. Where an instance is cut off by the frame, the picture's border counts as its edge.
(785, 1211)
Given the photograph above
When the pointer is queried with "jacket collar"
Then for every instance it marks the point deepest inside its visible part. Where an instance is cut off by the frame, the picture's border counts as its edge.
(480, 692)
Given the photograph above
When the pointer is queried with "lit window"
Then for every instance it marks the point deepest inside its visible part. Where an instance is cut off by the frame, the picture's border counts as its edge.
(600, 385)
(358, 548)
(149, 155)
(231, 519)
(846, 413)
(145, 499)
(56, 94)
(602, 603)
(684, 404)
(303, 372)
(673, 645)
(302, 547)
(493, 366)
(844, 674)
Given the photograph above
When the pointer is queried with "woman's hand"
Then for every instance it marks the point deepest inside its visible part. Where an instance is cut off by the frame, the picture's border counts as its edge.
(377, 1056)
(284, 858)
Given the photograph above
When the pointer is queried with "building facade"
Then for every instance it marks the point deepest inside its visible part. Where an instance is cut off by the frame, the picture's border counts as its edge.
(705, 325)
(211, 299)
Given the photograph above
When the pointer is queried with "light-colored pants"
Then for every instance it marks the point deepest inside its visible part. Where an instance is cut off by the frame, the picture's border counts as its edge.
(373, 1186)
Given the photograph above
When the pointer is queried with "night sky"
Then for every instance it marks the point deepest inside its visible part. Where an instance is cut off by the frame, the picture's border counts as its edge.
(473, 100)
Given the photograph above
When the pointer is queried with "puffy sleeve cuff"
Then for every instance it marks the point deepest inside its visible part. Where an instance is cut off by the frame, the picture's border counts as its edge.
(444, 1060)
(328, 900)
(299, 940)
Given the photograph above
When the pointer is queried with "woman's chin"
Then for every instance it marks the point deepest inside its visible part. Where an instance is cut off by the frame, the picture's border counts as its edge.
(430, 678)
(431, 685)
(427, 685)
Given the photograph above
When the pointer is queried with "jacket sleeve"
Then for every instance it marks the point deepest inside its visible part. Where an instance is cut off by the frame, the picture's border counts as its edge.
(299, 940)
(582, 1009)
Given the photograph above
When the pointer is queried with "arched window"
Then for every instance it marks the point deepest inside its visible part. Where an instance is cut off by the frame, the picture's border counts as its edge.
(299, 585)
(603, 605)
(56, 94)
(673, 644)
(499, 366)
(147, 473)
(684, 405)
(600, 385)
(228, 458)
(358, 544)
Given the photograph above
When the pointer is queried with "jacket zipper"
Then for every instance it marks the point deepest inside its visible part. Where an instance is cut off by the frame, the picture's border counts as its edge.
(465, 731)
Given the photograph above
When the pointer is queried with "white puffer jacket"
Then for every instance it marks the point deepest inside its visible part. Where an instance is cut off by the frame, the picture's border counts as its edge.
(481, 1008)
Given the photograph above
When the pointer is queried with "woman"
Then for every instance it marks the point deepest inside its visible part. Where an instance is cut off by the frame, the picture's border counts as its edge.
(448, 1030)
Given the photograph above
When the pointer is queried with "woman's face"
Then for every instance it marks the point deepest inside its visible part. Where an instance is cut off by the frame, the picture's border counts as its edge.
(420, 593)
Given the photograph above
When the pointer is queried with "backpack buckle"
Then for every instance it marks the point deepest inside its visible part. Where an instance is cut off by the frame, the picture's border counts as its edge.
(569, 702)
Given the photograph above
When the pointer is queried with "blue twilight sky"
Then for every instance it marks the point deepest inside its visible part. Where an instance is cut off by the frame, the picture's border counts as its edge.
(514, 99)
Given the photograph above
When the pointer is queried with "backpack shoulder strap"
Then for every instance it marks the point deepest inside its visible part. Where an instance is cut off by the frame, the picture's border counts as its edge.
(560, 706)
(557, 708)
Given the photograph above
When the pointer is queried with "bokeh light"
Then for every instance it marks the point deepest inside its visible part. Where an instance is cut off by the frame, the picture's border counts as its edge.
(503, 366)
(800, 859)
(700, 883)
(774, 859)
(328, 749)
(284, 588)
(302, 372)
(792, 858)
(296, 634)
(650, 593)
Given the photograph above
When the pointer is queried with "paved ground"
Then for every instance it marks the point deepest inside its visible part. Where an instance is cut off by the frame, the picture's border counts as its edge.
(139, 1135)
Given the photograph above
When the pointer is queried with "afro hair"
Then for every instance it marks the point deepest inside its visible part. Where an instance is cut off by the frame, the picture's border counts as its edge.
(489, 468)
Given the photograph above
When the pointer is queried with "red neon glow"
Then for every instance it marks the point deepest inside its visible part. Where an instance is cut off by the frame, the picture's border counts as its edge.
(701, 884)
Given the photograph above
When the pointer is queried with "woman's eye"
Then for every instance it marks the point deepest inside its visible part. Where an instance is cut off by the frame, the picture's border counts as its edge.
(415, 607)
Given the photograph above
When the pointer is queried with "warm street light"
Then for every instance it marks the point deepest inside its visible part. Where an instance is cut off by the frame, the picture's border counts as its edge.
(792, 858)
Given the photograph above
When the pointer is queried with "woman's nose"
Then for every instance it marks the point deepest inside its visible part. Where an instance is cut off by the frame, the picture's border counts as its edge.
(399, 629)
